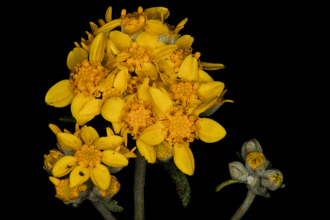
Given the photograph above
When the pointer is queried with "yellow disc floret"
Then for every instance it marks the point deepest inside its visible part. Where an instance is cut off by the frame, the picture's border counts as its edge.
(137, 116)
(86, 78)
(181, 126)
(184, 92)
(139, 55)
(88, 156)
(63, 190)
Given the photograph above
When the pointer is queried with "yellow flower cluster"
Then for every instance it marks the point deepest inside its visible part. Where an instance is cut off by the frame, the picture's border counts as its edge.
(141, 75)
(82, 157)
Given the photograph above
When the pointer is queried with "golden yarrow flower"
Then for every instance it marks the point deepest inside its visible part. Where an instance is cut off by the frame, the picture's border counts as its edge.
(90, 82)
(91, 153)
(178, 127)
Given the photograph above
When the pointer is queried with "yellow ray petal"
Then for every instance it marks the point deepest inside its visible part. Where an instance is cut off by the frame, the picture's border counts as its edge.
(97, 50)
(60, 94)
(143, 91)
(100, 176)
(64, 166)
(154, 134)
(156, 27)
(184, 42)
(161, 99)
(184, 158)
(204, 77)
(209, 90)
(121, 80)
(112, 109)
(189, 69)
(148, 69)
(114, 158)
(161, 53)
(146, 39)
(147, 151)
(89, 135)
(212, 66)
(85, 108)
(108, 26)
(158, 12)
(122, 41)
(69, 141)
(209, 130)
(109, 143)
(78, 176)
(108, 14)
(54, 128)
(76, 56)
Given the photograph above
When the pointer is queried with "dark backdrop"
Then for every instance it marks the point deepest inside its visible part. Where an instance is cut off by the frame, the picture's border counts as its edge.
(252, 40)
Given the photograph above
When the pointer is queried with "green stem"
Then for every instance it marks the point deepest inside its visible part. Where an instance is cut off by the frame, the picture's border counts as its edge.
(139, 180)
(244, 207)
(103, 210)
(226, 183)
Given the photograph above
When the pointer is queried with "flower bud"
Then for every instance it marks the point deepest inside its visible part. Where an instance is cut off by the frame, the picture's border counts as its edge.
(272, 179)
(250, 146)
(256, 163)
(238, 171)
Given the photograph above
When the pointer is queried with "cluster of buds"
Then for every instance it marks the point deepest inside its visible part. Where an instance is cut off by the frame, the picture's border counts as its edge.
(255, 173)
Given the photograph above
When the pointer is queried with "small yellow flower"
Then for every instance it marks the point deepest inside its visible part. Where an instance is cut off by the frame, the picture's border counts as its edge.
(90, 82)
(90, 152)
(178, 127)
(141, 55)
(131, 114)
(64, 191)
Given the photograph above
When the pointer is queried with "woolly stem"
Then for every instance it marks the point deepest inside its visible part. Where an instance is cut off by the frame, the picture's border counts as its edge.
(244, 207)
(139, 181)
(103, 210)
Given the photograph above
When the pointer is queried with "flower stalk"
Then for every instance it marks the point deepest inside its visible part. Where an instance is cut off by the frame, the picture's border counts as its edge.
(244, 207)
(139, 181)
(103, 210)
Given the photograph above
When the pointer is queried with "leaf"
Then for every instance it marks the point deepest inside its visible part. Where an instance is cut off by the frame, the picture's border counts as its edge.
(112, 205)
(68, 119)
(181, 181)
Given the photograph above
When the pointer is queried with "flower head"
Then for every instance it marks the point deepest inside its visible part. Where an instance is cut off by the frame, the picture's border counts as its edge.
(91, 152)
(65, 192)
(178, 127)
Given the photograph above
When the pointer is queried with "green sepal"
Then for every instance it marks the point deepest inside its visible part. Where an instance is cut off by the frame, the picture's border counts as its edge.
(181, 181)
(112, 205)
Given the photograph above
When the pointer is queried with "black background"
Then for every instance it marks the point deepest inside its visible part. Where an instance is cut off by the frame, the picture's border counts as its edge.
(255, 43)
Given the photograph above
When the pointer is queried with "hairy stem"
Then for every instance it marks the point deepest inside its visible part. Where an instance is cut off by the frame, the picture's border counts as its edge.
(103, 210)
(244, 207)
(139, 180)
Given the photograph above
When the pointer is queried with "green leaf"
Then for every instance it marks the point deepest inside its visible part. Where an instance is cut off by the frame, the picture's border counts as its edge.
(112, 205)
(68, 119)
(181, 181)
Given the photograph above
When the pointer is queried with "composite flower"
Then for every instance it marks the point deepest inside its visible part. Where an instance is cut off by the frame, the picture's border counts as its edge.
(177, 127)
(92, 154)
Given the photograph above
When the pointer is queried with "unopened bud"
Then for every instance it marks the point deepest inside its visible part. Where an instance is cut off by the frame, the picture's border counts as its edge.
(256, 163)
(272, 179)
(250, 146)
(238, 171)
